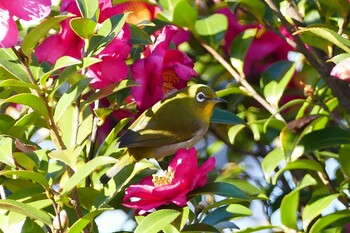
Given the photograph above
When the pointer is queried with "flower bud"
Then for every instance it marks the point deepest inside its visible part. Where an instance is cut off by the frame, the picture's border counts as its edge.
(60, 221)
(342, 70)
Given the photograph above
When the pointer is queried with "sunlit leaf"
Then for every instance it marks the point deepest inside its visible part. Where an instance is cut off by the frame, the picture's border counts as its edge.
(271, 161)
(184, 14)
(88, 8)
(34, 176)
(9, 61)
(82, 222)
(85, 171)
(212, 29)
(156, 221)
(27, 210)
(39, 32)
(6, 151)
(83, 27)
(311, 211)
(330, 219)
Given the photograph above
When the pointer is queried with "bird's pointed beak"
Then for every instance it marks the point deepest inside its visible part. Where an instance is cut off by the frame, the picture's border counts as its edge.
(219, 100)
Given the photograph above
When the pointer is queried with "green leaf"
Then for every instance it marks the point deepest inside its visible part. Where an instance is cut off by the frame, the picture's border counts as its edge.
(39, 32)
(338, 58)
(62, 62)
(212, 28)
(325, 138)
(239, 48)
(311, 211)
(69, 97)
(219, 215)
(254, 7)
(275, 80)
(110, 89)
(328, 35)
(329, 220)
(225, 117)
(85, 171)
(83, 27)
(6, 151)
(271, 161)
(10, 62)
(222, 189)
(199, 228)
(344, 161)
(26, 210)
(79, 225)
(29, 175)
(68, 156)
(299, 164)
(290, 203)
(30, 100)
(233, 131)
(18, 83)
(139, 36)
(184, 15)
(88, 8)
(156, 221)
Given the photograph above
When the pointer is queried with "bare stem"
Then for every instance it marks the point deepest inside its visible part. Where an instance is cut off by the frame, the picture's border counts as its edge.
(243, 82)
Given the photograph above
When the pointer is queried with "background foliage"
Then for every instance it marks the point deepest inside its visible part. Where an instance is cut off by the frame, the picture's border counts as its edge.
(271, 60)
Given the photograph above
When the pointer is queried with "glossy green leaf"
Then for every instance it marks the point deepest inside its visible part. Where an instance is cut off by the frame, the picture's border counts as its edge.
(212, 28)
(344, 161)
(6, 151)
(106, 91)
(219, 215)
(139, 36)
(199, 228)
(325, 138)
(82, 222)
(30, 100)
(255, 7)
(39, 32)
(271, 161)
(239, 48)
(69, 97)
(311, 211)
(261, 228)
(68, 156)
(222, 189)
(184, 14)
(225, 117)
(26, 210)
(156, 221)
(290, 203)
(88, 8)
(107, 142)
(233, 131)
(83, 27)
(338, 58)
(34, 176)
(17, 83)
(10, 62)
(329, 220)
(275, 80)
(328, 35)
(299, 164)
(62, 62)
(85, 171)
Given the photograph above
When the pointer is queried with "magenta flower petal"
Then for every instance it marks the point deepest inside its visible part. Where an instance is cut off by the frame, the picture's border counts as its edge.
(108, 71)
(8, 29)
(185, 177)
(28, 9)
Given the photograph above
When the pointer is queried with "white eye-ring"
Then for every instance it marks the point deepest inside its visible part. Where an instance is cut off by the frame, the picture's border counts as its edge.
(200, 97)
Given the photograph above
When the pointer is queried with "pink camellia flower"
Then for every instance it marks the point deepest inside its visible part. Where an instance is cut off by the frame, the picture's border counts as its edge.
(23, 9)
(112, 67)
(172, 186)
(264, 50)
(162, 70)
(342, 70)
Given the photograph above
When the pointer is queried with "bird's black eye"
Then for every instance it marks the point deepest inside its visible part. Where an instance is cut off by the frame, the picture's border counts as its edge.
(200, 97)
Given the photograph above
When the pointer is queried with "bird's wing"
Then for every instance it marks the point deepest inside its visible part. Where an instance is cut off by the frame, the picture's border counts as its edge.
(159, 137)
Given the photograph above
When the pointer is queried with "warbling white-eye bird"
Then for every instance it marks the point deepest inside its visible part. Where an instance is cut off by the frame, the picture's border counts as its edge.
(177, 121)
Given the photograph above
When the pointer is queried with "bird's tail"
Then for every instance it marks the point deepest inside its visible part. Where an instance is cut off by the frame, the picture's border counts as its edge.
(124, 160)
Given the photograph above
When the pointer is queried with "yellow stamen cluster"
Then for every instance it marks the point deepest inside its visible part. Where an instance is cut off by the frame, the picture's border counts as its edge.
(169, 79)
(163, 179)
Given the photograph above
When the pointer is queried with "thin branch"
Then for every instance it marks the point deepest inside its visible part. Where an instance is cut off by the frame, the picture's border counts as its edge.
(243, 82)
